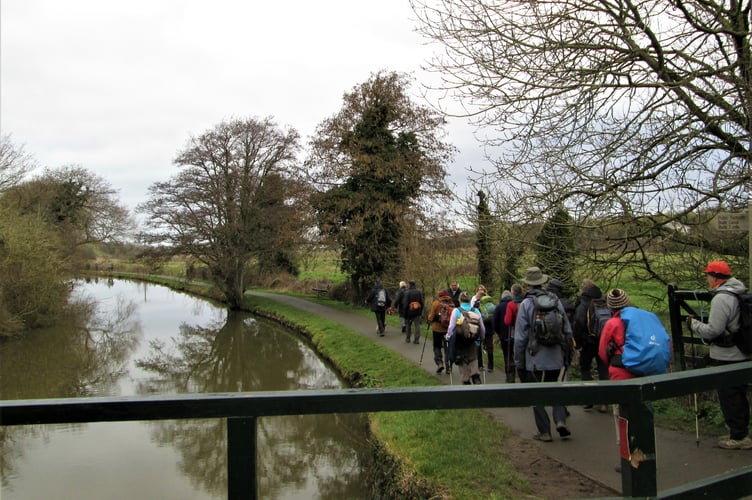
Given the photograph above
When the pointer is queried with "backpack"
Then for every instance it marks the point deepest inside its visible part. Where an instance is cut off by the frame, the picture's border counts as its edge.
(413, 306)
(597, 315)
(647, 346)
(548, 321)
(469, 322)
(445, 313)
(487, 308)
(381, 298)
(742, 338)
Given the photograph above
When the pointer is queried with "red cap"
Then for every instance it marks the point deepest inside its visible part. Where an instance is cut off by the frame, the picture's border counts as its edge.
(718, 268)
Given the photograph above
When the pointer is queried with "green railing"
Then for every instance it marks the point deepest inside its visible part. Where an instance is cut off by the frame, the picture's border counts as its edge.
(242, 409)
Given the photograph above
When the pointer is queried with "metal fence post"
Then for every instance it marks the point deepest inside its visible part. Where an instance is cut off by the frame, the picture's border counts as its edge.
(241, 458)
(637, 443)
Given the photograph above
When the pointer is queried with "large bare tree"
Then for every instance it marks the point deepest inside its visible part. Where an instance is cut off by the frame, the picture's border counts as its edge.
(634, 115)
(227, 205)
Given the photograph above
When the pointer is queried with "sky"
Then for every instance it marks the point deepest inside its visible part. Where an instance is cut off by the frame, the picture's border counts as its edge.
(119, 87)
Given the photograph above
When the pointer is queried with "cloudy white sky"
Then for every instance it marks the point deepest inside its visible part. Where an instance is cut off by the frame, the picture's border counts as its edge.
(118, 87)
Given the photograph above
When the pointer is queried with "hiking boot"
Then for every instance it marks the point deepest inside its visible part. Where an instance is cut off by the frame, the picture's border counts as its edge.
(403, 329)
(476, 379)
(588, 407)
(416, 341)
(735, 444)
(439, 369)
(562, 429)
(407, 341)
(546, 438)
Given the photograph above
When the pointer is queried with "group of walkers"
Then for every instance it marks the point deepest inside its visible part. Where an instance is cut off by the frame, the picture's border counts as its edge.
(539, 331)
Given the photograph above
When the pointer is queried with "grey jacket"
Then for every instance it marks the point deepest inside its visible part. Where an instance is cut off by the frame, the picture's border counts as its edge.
(546, 357)
(723, 317)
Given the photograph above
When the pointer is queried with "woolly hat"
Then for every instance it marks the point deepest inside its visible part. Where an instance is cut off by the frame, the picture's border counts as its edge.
(592, 291)
(444, 293)
(555, 285)
(534, 276)
(718, 269)
(617, 299)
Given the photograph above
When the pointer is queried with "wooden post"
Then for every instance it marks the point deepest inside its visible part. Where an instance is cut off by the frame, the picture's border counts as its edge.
(637, 449)
(241, 458)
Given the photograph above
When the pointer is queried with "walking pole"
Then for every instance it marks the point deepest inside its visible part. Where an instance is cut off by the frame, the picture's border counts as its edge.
(481, 362)
(428, 327)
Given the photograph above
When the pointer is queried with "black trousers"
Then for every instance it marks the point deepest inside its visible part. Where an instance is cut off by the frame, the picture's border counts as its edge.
(734, 406)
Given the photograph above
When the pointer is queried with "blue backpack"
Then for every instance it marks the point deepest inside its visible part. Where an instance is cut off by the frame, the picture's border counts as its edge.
(647, 346)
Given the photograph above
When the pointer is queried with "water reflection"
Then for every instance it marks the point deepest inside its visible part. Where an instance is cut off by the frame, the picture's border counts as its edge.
(146, 340)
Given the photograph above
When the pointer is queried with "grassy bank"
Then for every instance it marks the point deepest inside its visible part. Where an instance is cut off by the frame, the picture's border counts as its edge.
(425, 454)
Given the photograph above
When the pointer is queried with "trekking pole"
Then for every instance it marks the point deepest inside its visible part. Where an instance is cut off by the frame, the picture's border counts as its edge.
(428, 327)
(697, 422)
(481, 362)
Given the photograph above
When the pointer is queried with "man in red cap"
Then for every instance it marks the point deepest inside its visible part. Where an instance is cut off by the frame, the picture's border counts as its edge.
(723, 320)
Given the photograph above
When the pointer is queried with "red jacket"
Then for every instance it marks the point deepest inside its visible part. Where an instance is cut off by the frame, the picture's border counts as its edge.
(615, 330)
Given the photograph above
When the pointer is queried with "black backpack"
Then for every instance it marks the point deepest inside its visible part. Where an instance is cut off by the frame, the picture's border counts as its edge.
(742, 338)
(597, 315)
(547, 327)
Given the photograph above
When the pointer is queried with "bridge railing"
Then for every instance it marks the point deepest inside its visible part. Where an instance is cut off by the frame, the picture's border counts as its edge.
(242, 409)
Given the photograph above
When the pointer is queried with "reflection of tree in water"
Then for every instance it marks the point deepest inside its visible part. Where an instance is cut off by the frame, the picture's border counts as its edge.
(85, 354)
(323, 452)
(12, 447)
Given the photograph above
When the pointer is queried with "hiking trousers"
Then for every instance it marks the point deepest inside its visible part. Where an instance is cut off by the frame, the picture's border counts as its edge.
(542, 421)
(381, 321)
(413, 324)
(439, 349)
(734, 406)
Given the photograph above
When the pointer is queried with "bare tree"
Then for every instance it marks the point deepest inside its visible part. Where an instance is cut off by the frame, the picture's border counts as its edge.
(15, 163)
(634, 115)
(227, 204)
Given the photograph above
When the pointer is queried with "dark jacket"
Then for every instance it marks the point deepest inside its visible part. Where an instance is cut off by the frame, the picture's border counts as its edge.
(499, 327)
(580, 320)
(373, 297)
(412, 294)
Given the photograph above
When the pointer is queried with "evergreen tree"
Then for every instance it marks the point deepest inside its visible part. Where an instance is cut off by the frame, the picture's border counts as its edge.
(555, 247)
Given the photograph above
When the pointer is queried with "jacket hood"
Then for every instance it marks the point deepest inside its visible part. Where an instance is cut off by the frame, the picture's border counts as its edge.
(593, 292)
(732, 285)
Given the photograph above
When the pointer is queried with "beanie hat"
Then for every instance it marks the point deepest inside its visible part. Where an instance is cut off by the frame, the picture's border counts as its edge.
(592, 291)
(555, 285)
(444, 293)
(617, 298)
(718, 269)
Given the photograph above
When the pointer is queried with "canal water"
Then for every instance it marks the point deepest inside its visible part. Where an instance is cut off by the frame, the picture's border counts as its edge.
(141, 339)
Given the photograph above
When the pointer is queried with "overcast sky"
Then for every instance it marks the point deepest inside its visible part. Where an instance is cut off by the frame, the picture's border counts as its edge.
(118, 87)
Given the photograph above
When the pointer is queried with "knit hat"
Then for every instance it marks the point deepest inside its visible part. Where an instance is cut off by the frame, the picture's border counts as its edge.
(718, 269)
(534, 276)
(555, 285)
(617, 299)
(592, 291)
(444, 293)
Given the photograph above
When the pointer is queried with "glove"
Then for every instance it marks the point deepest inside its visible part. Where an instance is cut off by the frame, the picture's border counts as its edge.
(689, 322)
